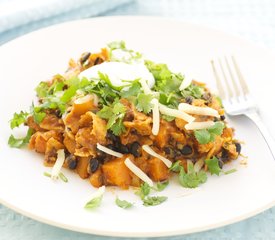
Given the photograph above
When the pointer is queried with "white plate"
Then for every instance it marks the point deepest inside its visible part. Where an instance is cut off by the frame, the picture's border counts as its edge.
(222, 200)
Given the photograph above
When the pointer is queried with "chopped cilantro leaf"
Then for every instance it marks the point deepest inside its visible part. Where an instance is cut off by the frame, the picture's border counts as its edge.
(213, 166)
(153, 201)
(107, 80)
(143, 103)
(230, 171)
(134, 90)
(123, 203)
(167, 118)
(18, 119)
(205, 136)
(217, 129)
(144, 190)
(117, 45)
(193, 91)
(20, 142)
(162, 185)
(114, 114)
(176, 166)
(166, 83)
(191, 179)
(68, 94)
(42, 89)
(37, 113)
(94, 203)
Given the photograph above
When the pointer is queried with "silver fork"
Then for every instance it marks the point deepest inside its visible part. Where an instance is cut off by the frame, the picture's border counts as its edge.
(236, 97)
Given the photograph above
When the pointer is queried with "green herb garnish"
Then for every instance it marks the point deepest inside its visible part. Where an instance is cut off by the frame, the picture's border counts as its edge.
(213, 166)
(204, 136)
(230, 171)
(144, 190)
(123, 203)
(176, 166)
(143, 103)
(18, 119)
(191, 179)
(114, 114)
(153, 201)
(162, 185)
(20, 142)
(46, 174)
(63, 177)
(94, 203)
(193, 91)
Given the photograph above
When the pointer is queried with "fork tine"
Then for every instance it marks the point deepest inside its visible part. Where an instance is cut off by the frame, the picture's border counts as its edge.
(230, 93)
(218, 81)
(236, 89)
(240, 76)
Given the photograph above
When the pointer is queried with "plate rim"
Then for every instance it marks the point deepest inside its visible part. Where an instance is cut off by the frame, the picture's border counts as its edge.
(140, 234)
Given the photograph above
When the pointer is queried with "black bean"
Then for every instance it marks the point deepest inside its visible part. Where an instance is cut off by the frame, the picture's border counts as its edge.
(71, 161)
(93, 165)
(220, 162)
(135, 149)
(222, 117)
(97, 60)
(122, 148)
(112, 147)
(167, 150)
(225, 155)
(85, 57)
(100, 155)
(186, 150)
(112, 137)
(238, 147)
(189, 99)
(170, 152)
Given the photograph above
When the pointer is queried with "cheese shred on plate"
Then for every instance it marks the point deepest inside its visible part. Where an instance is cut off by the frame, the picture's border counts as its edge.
(175, 113)
(199, 125)
(138, 172)
(198, 110)
(58, 164)
(108, 151)
(156, 118)
(150, 151)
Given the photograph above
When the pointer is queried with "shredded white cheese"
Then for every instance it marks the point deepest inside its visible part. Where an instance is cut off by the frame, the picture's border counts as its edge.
(145, 86)
(138, 172)
(84, 99)
(198, 165)
(150, 151)
(108, 151)
(99, 192)
(156, 118)
(175, 113)
(186, 82)
(58, 164)
(199, 125)
(198, 110)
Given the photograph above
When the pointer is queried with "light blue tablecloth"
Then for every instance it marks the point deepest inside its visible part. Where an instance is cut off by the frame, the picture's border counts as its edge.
(252, 19)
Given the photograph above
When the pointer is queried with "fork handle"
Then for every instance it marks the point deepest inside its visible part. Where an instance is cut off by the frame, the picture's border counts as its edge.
(254, 116)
